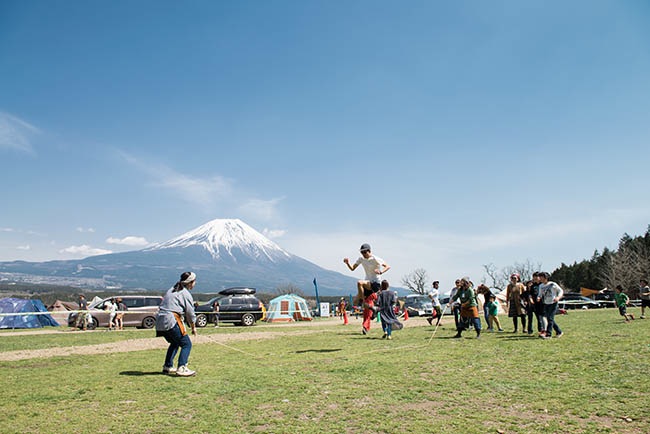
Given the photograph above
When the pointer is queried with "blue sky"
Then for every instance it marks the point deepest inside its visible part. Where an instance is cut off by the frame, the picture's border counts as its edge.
(448, 135)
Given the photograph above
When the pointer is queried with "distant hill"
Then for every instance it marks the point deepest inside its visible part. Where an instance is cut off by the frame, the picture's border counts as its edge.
(222, 252)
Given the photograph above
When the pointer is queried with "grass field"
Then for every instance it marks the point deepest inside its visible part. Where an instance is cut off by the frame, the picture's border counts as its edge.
(330, 379)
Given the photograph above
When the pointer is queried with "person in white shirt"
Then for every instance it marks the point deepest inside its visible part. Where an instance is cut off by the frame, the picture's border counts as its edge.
(374, 266)
(434, 295)
(549, 294)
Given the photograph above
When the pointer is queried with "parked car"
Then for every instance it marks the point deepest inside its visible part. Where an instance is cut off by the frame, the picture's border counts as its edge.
(606, 299)
(141, 312)
(573, 300)
(418, 305)
(236, 305)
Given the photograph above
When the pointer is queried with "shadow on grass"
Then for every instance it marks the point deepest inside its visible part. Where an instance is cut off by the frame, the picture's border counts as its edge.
(140, 373)
(324, 350)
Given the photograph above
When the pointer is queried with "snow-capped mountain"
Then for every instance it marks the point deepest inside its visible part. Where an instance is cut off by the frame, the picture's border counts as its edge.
(222, 252)
(227, 239)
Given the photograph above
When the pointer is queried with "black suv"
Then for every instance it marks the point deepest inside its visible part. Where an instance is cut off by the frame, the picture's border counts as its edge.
(236, 305)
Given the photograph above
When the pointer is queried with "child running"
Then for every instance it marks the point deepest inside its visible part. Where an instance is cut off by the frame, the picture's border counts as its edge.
(622, 300)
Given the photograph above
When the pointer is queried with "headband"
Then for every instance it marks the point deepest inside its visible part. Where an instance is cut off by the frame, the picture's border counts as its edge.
(191, 278)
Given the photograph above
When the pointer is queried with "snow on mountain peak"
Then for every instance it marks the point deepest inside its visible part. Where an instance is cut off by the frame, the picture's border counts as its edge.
(221, 236)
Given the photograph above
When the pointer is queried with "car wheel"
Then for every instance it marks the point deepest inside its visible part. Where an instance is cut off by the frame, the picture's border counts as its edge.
(149, 322)
(247, 319)
(201, 320)
(92, 325)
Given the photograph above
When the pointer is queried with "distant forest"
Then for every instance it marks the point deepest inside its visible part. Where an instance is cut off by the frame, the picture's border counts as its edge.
(623, 266)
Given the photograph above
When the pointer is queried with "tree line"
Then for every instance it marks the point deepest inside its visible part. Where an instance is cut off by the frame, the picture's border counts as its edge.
(623, 266)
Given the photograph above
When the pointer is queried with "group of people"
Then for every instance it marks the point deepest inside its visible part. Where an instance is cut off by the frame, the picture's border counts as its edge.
(537, 299)
(114, 306)
(116, 309)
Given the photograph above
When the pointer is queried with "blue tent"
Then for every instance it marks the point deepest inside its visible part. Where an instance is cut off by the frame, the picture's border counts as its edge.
(19, 305)
(288, 308)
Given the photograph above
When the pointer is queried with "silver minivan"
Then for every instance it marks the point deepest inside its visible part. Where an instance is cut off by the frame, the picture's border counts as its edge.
(141, 312)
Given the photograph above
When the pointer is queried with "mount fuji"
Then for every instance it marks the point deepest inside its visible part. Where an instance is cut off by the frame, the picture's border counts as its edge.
(223, 253)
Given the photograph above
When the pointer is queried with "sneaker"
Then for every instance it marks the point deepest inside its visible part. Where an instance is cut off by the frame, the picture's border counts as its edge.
(501, 330)
(184, 371)
(457, 336)
(216, 327)
(642, 317)
(364, 331)
(384, 336)
(631, 316)
(390, 338)
(559, 335)
(168, 370)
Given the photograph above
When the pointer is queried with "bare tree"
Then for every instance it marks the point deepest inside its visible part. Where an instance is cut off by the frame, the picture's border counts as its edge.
(499, 278)
(625, 267)
(289, 288)
(416, 281)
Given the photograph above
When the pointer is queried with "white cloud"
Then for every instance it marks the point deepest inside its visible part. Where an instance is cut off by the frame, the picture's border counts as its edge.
(128, 241)
(258, 209)
(26, 247)
(84, 251)
(84, 230)
(273, 233)
(15, 134)
(6, 229)
(212, 193)
(204, 192)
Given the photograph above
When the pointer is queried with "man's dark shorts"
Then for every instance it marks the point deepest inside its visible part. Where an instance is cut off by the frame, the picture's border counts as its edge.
(374, 287)
(622, 310)
(645, 303)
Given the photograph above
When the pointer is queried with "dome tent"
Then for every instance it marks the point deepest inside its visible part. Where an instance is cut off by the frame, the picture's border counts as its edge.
(288, 308)
(19, 305)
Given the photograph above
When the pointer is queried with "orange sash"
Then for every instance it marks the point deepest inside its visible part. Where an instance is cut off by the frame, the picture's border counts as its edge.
(181, 324)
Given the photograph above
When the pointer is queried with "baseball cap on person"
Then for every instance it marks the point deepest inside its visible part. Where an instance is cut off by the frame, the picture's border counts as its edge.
(364, 247)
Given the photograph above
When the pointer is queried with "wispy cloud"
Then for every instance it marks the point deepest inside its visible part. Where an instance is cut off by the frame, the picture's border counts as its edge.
(25, 248)
(274, 233)
(128, 241)
(15, 134)
(84, 251)
(212, 193)
(258, 209)
(86, 230)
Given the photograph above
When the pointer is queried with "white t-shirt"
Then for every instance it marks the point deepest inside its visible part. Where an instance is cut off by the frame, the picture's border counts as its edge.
(370, 265)
(434, 296)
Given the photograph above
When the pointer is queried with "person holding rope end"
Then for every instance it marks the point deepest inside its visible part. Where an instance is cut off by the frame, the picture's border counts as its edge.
(177, 306)
(468, 308)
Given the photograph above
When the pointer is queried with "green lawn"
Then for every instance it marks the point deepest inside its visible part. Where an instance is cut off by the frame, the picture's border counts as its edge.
(334, 380)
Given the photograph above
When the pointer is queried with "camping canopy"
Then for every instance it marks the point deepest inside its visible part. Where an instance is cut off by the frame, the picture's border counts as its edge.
(18, 305)
(287, 308)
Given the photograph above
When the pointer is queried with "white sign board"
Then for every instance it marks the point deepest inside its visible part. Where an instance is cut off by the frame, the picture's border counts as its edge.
(325, 309)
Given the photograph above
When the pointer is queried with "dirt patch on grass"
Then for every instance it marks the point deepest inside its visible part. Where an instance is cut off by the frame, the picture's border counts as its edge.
(129, 345)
